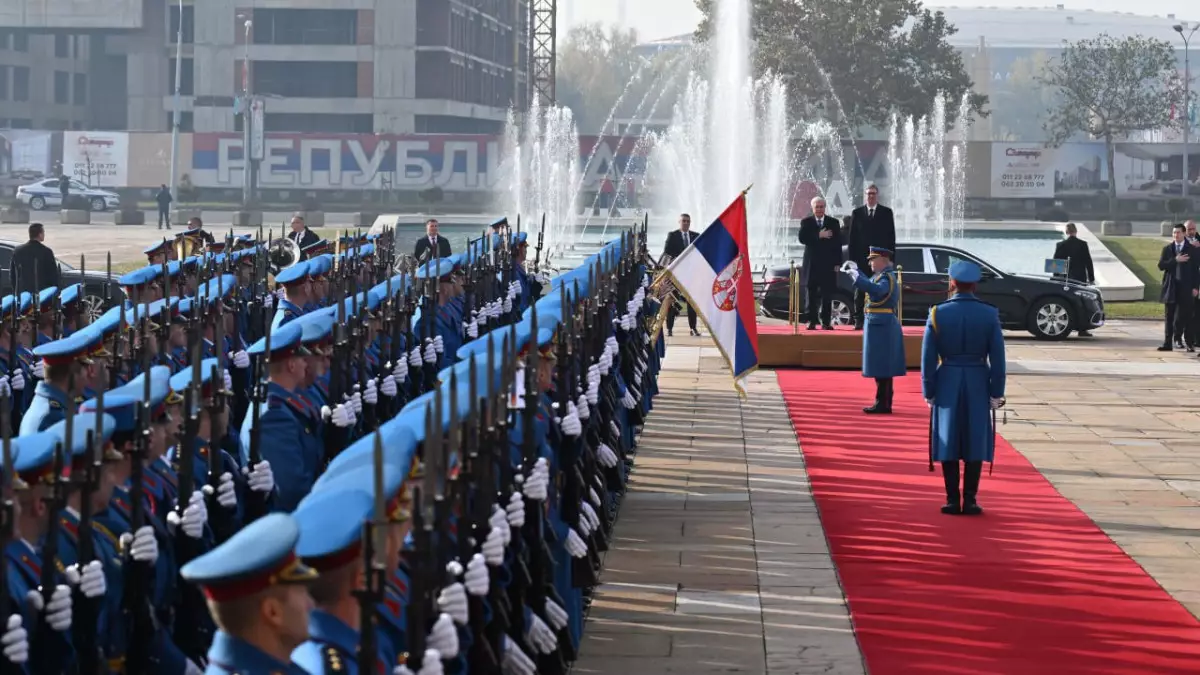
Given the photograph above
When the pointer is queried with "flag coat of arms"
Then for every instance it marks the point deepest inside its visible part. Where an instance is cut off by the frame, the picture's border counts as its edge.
(714, 275)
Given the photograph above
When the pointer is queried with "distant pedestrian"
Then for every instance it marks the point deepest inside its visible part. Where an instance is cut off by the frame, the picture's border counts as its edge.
(164, 200)
(1079, 259)
(34, 266)
(64, 190)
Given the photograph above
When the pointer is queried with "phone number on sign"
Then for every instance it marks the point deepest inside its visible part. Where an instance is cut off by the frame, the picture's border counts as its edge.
(1023, 180)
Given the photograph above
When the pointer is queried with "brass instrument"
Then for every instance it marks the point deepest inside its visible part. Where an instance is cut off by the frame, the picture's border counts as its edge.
(282, 254)
(189, 245)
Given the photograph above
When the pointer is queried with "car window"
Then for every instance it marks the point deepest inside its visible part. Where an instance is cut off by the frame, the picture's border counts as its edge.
(76, 185)
(943, 259)
(911, 259)
(5, 257)
(50, 183)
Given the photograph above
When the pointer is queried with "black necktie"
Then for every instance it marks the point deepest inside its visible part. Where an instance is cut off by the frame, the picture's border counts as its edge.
(871, 212)
(1178, 268)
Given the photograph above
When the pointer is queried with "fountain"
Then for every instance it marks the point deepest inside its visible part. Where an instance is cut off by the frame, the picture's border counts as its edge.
(927, 171)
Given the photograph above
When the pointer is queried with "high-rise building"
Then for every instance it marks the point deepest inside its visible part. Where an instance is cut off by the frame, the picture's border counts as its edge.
(43, 81)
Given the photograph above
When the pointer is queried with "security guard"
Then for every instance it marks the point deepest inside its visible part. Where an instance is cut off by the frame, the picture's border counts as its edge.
(258, 596)
(962, 379)
(64, 362)
(883, 339)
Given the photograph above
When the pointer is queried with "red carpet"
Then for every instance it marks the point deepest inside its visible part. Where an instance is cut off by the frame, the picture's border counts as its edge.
(1032, 586)
(783, 328)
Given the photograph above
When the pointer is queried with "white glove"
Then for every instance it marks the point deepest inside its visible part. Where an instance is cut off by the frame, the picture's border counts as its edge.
(226, 380)
(4, 386)
(499, 523)
(414, 357)
(90, 580)
(355, 402)
(628, 400)
(570, 424)
(438, 345)
(514, 288)
(539, 636)
(997, 403)
(193, 519)
(443, 637)
(575, 545)
(854, 274)
(538, 482)
(227, 492)
(605, 455)
(400, 372)
(17, 380)
(515, 511)
(430, 665)
(582, 409)
(239, 359)
(611, 343)
(341, 416)
(585, 526)
(388, 388)
(493, 545)
(58, 610)
(616, 430)
(593, 393)
(593, 497)
(646, 281)
(371, 395)
(260, 478)
(929, 402)
(15, 641)
(557, 616)
(142, 545)
(39, 369)
(453, 601)
(430, 352)
(281, 293)
(476, 578)
(589, 514)
(645, 338)
(849, 265)
(269, 300)
(514, 661)
(484, 314)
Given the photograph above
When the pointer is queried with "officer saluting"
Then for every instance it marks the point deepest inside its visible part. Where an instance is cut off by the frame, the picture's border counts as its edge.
(962, 377)
(883, 339)
(257, 595)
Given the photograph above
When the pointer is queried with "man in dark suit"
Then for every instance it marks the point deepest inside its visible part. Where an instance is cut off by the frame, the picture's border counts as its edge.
(1079, 259)
(34, 266)
(677, 243)
(1179, 289)
(872, 225)
(822, 239)
(301, 234)
(432, 244)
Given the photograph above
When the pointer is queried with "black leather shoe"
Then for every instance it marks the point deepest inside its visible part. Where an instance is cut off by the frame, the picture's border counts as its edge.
(951, 509)
(812, 326)
(972, 509)
(1165, 348)
(1084, 333)
(826, 326)
(878, 409)
(669, 333)
(695, 333)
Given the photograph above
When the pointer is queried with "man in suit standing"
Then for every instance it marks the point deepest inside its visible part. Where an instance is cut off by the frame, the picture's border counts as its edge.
(822, 239)
(1179, 290)
(1079, 260)
(677, 243)
(432, 244)
(301, 235)
(33, 264)
(872, 225)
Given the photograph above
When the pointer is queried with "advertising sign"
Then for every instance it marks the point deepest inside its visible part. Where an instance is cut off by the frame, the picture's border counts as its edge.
(97, 158)
(1022, 171)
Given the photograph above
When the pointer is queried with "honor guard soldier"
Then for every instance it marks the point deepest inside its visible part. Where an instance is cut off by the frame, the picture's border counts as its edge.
(16, 368)
(140, 284)
(65, 378)
(44, 315)
(883, 338)
(319, 268)
(962, 379)
(71, 307)
(258, 596)
(446, 328)
(297, 293)
(159, 252)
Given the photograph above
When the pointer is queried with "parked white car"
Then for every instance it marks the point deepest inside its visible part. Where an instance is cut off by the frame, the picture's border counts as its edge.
(45, 194)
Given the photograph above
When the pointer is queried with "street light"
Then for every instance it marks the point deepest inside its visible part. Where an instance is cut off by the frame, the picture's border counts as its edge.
(175, 113)
(247, 185)
(1187, 98)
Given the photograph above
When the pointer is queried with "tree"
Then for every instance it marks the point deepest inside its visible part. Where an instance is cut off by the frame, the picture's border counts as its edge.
(1109, 88)
(879, 58)
(594, 67)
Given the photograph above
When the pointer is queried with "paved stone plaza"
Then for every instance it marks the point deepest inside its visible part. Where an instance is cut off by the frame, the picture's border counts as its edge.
(719, 563)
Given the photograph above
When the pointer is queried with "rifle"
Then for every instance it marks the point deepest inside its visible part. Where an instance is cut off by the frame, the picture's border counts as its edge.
(87, 610)
(475, 508)
(42, 653)
(7, 521)
(419, 603)
(537, 252)
(374, 542)
(258, 507)
(135, 602)
(14, 363)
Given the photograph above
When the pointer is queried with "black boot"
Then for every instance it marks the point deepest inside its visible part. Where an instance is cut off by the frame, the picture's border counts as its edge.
(883, 397)
(971, 488)
(950, 479)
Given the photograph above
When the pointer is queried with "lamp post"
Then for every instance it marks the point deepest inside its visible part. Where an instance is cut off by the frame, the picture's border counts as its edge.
(175, 113)
(1187, 98)
(247, 118)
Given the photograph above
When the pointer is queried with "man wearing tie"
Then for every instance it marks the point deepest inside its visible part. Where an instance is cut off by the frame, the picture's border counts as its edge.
(677, 243)
(301, 235)
(822, 239)
(432, 244)
(1179, 290)
(871, 226)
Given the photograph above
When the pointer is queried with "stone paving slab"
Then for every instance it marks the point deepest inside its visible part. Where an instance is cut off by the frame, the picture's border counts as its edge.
(718, 563)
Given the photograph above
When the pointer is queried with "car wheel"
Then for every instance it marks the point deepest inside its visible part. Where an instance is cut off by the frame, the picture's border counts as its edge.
(98, 204)
(93, 307)
(842, 313)
(1050, 319)
(37, 203)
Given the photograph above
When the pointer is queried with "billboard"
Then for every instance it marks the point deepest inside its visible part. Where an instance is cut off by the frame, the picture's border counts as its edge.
(97, 158)
(25, 154)
(1022, 171)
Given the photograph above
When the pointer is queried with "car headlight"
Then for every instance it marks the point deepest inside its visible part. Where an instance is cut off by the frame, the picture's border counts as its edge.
(1088, 295)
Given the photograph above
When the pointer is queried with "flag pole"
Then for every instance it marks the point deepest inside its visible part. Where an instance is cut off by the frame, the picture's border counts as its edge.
(747, 189)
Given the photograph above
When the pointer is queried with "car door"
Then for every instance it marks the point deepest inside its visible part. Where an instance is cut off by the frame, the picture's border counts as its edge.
(48, 190)
(5, 270)
(921, 289)
(994, 288)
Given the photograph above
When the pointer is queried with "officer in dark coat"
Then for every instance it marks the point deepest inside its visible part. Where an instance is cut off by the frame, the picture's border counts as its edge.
(883, 339)
(34, 266)
(962, 379)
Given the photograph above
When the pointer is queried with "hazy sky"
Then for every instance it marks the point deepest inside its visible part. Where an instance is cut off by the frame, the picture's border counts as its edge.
(656, 19)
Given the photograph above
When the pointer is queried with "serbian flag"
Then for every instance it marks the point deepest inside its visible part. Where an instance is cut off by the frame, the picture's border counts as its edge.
(714, 275)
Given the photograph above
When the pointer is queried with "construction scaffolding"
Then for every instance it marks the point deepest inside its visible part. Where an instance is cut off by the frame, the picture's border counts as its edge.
(542, 51)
